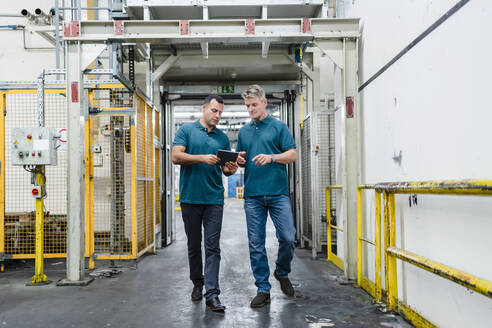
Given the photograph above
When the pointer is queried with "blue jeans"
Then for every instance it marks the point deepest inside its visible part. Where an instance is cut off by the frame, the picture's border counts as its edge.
(210, 216)
(256, 209)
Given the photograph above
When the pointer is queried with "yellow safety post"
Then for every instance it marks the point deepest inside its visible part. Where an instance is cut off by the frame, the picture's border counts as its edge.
(39, 277)
(377, 244)
(89, 186)
(134, 185)
(88, 200)
(390, 260)
(2, 174)
(328, 223)
(359, 235)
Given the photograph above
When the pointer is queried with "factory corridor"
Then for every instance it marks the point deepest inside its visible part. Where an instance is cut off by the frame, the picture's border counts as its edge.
(158, 293)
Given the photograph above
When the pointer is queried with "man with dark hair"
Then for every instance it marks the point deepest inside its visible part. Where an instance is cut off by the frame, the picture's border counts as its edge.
(202, 196)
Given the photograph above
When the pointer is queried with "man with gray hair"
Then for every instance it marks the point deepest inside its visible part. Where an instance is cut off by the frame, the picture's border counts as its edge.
(266, 146)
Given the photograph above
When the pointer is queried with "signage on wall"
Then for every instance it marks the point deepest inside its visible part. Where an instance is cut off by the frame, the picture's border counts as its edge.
(226, 89)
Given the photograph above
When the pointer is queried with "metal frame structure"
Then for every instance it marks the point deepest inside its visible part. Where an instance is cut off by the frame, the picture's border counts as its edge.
(215, 9)
(337, 38)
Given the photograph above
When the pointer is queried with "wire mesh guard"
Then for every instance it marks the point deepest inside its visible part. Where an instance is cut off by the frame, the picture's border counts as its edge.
(157, 167)
(122, 156)
(318, 129)
(145, 174)
(307, 201)
(112, 185)
(19, 221)
(323, 158)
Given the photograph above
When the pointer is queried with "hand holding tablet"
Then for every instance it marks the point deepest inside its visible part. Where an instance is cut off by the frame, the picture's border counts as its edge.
(226, 156)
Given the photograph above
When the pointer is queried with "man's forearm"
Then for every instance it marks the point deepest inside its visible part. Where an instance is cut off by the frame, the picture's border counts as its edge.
(181, 158)
(286, 157)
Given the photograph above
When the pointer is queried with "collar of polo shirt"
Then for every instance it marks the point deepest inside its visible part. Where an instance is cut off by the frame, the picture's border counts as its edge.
(266, 120)
(201, 127)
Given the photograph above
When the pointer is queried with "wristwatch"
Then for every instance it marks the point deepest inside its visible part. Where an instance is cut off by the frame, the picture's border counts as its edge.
(272, 157)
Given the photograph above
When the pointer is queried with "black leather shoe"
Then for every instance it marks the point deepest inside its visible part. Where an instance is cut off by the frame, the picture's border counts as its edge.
(215, 305)
(196, 294)
(285, 285)
(260, 300)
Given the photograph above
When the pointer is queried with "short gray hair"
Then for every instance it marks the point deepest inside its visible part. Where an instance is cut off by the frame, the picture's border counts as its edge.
(253, 91)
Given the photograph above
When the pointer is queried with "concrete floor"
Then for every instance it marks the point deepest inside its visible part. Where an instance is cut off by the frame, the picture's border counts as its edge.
(157, 294)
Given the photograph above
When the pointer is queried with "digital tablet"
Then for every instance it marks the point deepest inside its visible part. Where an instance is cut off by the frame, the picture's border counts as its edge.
(226, 156)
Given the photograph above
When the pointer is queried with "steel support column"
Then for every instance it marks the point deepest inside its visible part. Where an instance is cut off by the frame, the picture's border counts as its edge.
(350, 155)
(75, 176)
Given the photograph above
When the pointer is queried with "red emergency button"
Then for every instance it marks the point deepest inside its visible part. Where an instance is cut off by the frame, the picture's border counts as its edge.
(33, 154)
(35, 191)
(29, 136)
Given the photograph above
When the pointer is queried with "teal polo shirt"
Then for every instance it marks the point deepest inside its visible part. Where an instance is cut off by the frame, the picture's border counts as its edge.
(201, 183)
(268, 136)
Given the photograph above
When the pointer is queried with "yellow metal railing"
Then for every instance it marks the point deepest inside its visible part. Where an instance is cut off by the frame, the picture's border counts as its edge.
(330, 256)
(391, 252)
(2, 176)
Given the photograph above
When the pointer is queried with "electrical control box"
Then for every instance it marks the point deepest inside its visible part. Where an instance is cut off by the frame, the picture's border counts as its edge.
(33, 146)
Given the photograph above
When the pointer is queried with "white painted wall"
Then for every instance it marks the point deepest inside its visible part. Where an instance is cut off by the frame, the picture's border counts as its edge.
(432, 106)
(16, 63)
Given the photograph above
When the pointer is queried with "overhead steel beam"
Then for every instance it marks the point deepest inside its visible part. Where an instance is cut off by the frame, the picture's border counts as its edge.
(164, 67)
(265, 45)
(228, 31)
(218, 61)
(204, 46)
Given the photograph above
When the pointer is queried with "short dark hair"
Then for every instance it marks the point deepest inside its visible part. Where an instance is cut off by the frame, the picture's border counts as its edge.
(217, 98)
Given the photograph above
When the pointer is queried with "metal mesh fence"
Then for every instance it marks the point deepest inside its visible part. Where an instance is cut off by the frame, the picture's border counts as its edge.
(332, 180)
(19, 222)
(112, 185)
(316, 132)
(149, 174)
(122, 170)
(307, 201)
(323, 158)
(157, 166)
(145, 168)
(140, 154)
